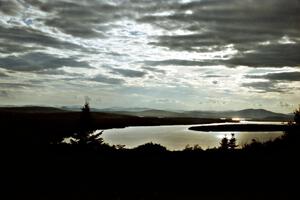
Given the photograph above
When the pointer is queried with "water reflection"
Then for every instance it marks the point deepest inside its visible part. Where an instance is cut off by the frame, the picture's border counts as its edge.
(176, 137)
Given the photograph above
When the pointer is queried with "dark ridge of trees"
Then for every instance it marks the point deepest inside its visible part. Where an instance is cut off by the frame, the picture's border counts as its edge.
(241, 127)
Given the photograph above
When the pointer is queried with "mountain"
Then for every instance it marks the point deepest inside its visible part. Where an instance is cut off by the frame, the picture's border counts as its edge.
(122, 109)
(31, 109)
(249, 114)
(152, 113)
(109, 110)
(71, 108)
(246, 113)
(253, 114)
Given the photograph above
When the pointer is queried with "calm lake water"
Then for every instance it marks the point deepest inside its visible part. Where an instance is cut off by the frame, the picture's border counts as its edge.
(176, 137)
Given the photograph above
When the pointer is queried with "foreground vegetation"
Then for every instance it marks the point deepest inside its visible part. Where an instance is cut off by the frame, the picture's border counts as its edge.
(45, 168)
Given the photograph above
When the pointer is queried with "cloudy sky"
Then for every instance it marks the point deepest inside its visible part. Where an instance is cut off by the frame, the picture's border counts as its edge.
(166, 54)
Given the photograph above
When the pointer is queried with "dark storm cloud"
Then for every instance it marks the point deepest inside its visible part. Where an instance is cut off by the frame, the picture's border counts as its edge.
(9, 7)
(215, 76)
(13, 38)
(3, 75)
(190, 42)
(128, 72)
(214, 24)
(274, 55)
(108, 80)
(264, 86)
(84, 19)
(38, 62)
(283, 76)
(178, 62)
(16, 85)
(8, 48)
(39, 81)
(241, 23)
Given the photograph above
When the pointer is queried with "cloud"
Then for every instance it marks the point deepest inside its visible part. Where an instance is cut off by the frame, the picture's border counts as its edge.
(4, 94)
(274, 55)
(86, 19)
(2, 75)
(215, 76)
(9, 7)
(17, 39)
(156, 70)
(280, 76)
(58, 72)
(16, 85)
(284, 104)
(108, 80)
(264, 87)
(128, 72)
(211, 25)
(38, 62)
(190, 42)
(178, 62)
(8, 48)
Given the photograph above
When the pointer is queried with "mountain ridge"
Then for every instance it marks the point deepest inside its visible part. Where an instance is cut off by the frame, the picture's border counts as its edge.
(249, 113)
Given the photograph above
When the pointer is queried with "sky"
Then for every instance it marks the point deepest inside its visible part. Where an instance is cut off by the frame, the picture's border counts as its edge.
(163, 54)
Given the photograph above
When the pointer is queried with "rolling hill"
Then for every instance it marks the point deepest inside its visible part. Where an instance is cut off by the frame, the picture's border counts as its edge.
(249, 114)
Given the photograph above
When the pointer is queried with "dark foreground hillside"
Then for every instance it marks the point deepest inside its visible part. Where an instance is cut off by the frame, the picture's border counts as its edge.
(93, 170)
(150, 172)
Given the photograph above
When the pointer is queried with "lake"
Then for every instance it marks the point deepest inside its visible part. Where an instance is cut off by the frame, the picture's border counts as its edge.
(177, 137)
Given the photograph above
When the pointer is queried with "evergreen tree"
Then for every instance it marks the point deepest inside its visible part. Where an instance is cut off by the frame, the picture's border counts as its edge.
(297, 116)
(86, 133)
(224, 143)
(232, 142)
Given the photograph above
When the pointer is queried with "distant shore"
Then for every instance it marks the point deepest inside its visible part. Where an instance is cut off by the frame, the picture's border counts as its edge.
(241, 127)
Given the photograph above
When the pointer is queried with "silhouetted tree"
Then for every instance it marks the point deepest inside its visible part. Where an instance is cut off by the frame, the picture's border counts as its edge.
(291, 137)
(196, 147)
(151, 148)
(224, 143)
(232, 142)
(86, 134)
(297, 116)
(254, 143)
(119, 146)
